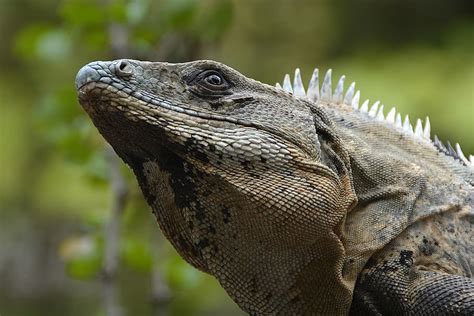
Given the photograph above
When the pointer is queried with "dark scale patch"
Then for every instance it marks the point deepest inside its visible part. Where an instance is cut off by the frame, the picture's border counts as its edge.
(193, 149)
(390, 266)
(199, 211)
(247, 165)
(451, 228)
(211, 229)
(215, 105)
(427, 247)
(371, 263)
(183, 183)
(406, 258)
(206, 192)
(255, 174)
(185, 246)
(252, 286)
(201, 156)
(182, 243)
(226, 214)
(202, 243)
(268, 296)
(295, 299)
(191, 225)
(136, 163)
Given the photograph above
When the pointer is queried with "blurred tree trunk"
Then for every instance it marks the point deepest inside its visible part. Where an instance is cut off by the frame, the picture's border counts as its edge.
(118, 35)
(112, 234)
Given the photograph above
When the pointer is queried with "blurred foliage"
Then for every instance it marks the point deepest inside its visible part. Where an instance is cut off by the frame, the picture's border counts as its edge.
(54, 193)
(82, 255)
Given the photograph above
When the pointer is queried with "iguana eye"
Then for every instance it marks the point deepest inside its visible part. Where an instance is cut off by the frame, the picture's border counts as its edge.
(210, 83)
(214, 79)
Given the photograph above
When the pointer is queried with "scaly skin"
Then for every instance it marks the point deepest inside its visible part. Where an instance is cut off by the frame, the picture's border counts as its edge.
(296, 207)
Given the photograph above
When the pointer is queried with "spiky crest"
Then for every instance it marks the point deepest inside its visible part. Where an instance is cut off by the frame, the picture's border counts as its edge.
(376, 111)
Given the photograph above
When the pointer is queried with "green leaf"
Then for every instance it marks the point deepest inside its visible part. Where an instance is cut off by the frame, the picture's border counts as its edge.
(180, 274)
(214, 19)
(58, 106)
(82, 13)
(27, 40)
(97, 170)
(137, 254)
(117, 11)
(178, 14)
(97, 39)
(62, 123)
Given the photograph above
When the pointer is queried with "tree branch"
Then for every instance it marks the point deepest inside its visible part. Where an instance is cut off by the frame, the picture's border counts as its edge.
(112, 234)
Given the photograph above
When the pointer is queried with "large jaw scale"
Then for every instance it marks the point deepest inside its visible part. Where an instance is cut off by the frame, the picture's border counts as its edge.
(351, 98)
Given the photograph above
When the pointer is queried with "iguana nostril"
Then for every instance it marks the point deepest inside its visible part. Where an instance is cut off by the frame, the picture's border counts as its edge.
(123, 68)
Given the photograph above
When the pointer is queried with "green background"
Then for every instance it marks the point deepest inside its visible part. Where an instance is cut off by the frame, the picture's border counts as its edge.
(54, 185)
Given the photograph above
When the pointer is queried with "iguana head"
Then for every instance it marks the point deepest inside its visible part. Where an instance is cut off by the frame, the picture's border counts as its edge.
(198, 98)
(248, 182)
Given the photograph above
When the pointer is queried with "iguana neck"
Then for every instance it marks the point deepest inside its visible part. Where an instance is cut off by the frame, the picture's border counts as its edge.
(279, 271)
(393, 182)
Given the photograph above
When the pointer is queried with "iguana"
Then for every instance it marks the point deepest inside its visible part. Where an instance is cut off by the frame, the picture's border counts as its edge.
(297, 202)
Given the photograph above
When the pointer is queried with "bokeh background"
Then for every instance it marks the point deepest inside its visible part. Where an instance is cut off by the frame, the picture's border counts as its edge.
(67, 247)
